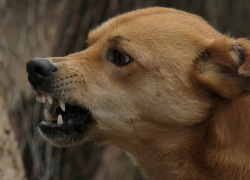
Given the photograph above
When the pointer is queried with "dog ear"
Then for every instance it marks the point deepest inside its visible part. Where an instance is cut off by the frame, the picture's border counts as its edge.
(224, 67)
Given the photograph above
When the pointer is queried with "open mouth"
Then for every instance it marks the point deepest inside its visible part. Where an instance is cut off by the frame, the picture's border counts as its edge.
(70, 122)
(66, 117)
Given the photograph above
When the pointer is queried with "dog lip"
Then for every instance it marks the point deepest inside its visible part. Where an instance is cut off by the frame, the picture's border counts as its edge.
(72, 117)
(67, 125)
(52, 120)
(72, 130)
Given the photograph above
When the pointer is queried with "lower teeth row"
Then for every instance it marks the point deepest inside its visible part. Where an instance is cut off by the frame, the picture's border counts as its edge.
(59, 119)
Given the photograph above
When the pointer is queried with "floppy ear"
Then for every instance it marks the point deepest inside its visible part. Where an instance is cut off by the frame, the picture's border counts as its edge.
(224, 67)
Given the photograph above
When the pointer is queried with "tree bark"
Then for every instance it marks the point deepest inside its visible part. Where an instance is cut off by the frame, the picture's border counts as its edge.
(11, 166)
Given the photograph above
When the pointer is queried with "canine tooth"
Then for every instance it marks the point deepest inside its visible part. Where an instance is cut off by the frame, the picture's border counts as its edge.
(59, 119)
(50, 99)
(43, 99)
(62, 104)
(47, 115)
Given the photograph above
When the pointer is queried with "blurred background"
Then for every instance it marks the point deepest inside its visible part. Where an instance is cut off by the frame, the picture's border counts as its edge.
(41, 28)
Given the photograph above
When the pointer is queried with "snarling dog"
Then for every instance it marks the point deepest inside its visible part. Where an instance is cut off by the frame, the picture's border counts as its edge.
(162, 85)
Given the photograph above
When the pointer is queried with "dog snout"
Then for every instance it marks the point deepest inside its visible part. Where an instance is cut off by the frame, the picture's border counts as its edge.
(39, 70)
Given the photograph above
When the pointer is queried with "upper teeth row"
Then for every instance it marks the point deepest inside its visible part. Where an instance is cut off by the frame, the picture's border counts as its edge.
(45, 97)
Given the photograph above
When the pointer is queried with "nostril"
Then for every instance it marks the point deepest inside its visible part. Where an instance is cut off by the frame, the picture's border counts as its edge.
(39, 70)
(40, 67)
(44, 69)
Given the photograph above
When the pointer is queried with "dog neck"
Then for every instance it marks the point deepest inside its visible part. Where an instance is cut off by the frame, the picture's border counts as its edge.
(193, 152)
(166, 149)
(224, 148)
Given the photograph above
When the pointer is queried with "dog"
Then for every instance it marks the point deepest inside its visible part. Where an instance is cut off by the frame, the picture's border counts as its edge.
(159, 83)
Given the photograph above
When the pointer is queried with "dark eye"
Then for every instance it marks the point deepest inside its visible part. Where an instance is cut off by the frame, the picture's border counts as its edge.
(121, 59)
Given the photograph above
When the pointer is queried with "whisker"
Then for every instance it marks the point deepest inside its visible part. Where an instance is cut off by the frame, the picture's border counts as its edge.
(135, 131)
(40, 139)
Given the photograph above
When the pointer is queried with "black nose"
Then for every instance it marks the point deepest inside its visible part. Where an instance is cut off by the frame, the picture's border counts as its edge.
(39, 70)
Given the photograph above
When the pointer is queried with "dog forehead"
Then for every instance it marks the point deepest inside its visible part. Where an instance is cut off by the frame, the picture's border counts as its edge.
(113, 23)
(161, 22)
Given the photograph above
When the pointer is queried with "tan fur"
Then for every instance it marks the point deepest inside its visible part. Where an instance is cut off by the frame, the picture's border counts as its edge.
(180, 109)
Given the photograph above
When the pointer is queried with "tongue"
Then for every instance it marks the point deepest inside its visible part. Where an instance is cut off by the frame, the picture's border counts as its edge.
(48, 117)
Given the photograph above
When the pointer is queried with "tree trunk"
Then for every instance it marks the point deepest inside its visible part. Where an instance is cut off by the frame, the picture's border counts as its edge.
(11, 166)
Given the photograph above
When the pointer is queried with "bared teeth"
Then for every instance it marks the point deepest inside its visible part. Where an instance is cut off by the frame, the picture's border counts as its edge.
(47, 115)
(50, 99)
(59, 119)
(43, 99)
(62, 105)
(37, 98)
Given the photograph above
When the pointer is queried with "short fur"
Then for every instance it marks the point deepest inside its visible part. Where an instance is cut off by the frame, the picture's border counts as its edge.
(180, 108)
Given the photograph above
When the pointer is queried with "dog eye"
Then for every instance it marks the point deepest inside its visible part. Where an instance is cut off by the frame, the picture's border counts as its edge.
(121, 59)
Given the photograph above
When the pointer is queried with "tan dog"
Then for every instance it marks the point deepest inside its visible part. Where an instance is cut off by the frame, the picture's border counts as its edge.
(160, 84)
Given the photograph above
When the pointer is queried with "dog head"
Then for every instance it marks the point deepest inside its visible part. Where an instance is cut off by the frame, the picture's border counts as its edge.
(145, 71)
